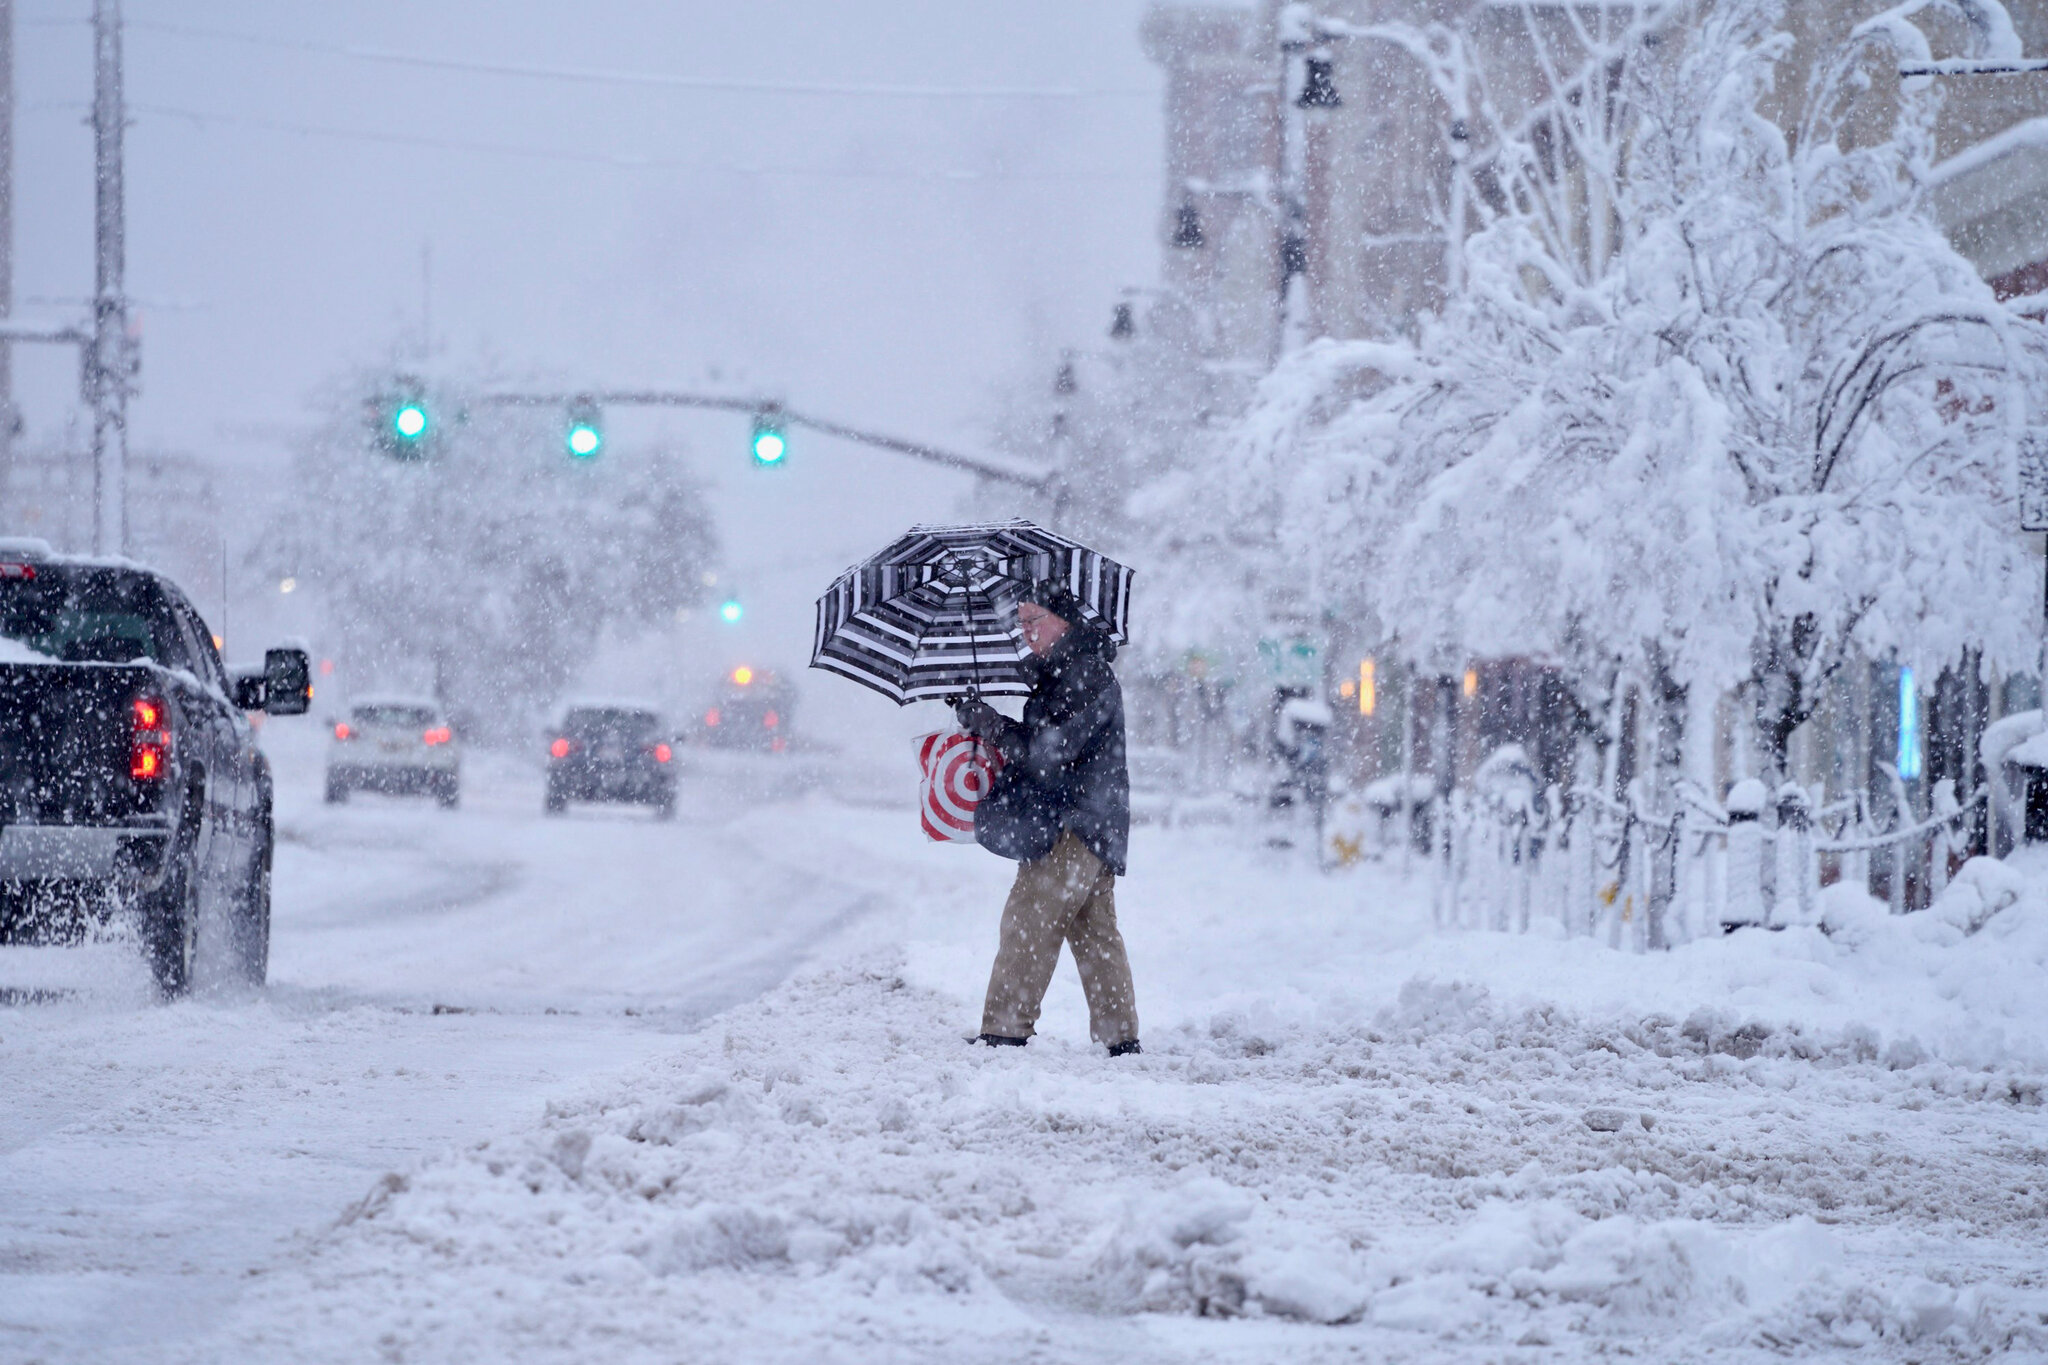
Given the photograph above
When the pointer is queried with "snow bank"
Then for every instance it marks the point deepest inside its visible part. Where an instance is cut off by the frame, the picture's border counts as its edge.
(1347, 1135)
(831, 1172)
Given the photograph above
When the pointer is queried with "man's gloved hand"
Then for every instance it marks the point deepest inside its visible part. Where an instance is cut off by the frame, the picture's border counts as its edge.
(978, 718)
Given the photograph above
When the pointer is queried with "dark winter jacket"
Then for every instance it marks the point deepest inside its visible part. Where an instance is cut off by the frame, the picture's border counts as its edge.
(1063, 763)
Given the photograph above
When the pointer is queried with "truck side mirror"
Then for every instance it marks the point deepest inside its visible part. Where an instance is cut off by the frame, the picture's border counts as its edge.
(287, 681)
(247, 689)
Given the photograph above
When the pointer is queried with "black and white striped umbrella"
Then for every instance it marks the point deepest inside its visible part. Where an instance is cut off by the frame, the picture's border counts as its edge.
(935, 614)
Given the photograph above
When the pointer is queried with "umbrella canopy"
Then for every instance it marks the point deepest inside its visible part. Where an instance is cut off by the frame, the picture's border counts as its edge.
(935, 614)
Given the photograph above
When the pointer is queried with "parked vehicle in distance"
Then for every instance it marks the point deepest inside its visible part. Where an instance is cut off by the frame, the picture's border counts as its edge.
(130, 780)
(611, 752)
(750, 709)
(398, 746)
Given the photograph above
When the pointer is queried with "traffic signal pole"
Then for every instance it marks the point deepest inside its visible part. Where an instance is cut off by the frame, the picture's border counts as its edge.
(983, 466)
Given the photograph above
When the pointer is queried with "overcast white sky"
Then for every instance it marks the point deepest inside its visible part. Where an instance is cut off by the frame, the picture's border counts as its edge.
(887, 260)
(917, 250)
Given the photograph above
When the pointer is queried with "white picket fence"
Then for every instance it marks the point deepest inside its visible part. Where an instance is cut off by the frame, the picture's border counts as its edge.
(1610, 870)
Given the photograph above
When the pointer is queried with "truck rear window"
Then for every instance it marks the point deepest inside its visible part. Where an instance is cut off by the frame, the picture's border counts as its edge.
(78, 615)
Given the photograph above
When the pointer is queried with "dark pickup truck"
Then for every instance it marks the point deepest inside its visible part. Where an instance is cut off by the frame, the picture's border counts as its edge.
(130, 780)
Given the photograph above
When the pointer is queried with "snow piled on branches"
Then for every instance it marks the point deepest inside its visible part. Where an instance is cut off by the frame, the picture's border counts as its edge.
(1715, 402)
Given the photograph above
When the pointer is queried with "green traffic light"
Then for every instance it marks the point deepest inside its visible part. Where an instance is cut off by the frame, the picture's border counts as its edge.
(731, 612)
(410, 421)
(769, 443)
(584, 440)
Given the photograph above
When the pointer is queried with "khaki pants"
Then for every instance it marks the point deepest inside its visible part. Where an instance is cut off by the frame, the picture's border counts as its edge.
(1066, 895)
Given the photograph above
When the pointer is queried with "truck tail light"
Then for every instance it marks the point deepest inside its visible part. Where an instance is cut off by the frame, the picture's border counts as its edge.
(149, 739)
(560, 748)
(662, 753)
(342, 731)
(440, 734)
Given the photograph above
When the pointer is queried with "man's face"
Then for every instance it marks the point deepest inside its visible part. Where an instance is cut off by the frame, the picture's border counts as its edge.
(1042, 630)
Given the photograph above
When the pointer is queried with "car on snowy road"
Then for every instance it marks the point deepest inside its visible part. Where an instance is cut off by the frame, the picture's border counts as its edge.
(398, 746)
(130, 780)
(611, 752)
(749, 709)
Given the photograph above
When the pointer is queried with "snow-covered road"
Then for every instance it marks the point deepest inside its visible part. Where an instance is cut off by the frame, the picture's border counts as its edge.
(700, 1092)
(436, 977)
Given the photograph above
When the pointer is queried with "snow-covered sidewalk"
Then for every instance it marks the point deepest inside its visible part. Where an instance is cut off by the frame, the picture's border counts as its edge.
(1348, 1137)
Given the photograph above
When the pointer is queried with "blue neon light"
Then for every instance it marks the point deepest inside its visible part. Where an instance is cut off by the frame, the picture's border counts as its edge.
(1909, 725)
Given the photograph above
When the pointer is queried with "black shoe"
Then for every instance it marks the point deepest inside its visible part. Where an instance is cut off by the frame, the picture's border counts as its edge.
(1127, 1048)
(998, 1040)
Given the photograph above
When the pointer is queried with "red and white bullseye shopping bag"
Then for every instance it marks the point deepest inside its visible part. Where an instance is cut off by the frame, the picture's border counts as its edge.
(957, 769)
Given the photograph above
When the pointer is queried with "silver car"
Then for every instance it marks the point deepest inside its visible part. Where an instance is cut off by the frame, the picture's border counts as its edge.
(397, 745)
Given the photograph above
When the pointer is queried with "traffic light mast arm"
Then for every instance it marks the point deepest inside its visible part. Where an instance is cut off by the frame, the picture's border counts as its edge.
(986, 466)
(60, 336)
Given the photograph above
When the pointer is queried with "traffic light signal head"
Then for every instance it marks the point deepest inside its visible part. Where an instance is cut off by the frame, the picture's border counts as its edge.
(585, 436)
(402, 424)
(770, 445)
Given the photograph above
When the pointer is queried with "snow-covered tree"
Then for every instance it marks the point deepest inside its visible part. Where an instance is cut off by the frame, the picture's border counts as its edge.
(492, 566)
(1133, 415)
(1715, 403)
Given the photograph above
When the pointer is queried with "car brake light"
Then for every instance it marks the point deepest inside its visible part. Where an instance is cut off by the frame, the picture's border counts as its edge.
(341, 730)
(711, 717)
(149, 739)
(662, 753)
(440, 734)
(771, 720)
(560, 748)
(21, 571)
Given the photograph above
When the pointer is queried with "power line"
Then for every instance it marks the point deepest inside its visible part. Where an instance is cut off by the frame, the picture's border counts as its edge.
(202, 118)
(597, 76)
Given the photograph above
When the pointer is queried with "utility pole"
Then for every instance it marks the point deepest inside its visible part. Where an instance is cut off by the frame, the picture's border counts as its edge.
(109, 363)
(7, 417)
